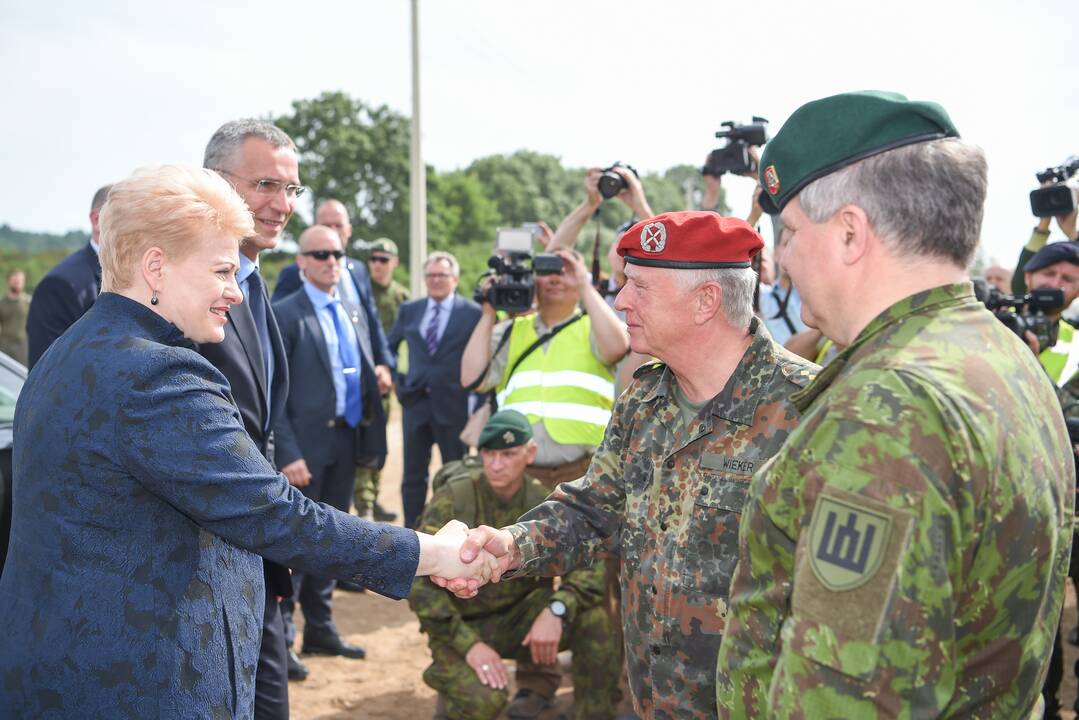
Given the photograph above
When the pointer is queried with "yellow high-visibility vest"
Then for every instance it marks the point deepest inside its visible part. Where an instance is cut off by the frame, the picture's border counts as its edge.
(1062, 360)
(566, 387)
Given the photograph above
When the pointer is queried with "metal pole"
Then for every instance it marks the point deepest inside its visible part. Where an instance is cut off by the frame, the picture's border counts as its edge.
(418, 174)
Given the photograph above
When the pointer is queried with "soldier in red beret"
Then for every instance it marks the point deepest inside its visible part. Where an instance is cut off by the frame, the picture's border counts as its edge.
(665, 489)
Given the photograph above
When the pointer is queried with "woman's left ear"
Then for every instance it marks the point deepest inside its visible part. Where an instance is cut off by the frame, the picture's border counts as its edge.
(153, 267)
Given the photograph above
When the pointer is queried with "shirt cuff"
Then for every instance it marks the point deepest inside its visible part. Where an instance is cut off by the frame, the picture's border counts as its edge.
(1037, 240)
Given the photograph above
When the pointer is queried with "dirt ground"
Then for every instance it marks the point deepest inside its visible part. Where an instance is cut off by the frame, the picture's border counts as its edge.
(388, 685)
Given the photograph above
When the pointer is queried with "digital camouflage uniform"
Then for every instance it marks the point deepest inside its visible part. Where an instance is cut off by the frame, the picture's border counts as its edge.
(905, 554)
(666, 497)
(502, 614)
(387, 300)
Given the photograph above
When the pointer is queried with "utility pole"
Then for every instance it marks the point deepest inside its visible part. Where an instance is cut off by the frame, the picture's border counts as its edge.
(417, 240)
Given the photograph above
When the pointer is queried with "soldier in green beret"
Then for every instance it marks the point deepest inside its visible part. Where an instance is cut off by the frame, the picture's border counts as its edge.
(526, 619)
(904, 554)
(388, 296)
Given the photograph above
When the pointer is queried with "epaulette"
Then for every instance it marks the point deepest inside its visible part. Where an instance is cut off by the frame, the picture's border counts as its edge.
(799, 371)
(654, 366)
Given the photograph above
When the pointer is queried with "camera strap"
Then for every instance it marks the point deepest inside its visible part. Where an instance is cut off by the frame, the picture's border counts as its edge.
(541, 340)
(782, 313)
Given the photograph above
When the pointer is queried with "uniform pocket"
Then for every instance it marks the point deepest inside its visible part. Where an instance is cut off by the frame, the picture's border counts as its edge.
(711, 548)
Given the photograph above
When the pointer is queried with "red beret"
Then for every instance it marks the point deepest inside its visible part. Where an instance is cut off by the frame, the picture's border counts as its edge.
(690, 239)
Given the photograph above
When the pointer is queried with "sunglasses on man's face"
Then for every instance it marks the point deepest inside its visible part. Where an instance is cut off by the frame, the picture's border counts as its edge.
(324, 254)
(380, 259)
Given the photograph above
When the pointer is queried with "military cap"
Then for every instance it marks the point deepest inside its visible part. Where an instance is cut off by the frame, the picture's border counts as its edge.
(384, 245)
(505, 429)
(1053, 253)
(828, 134)
(690, 239)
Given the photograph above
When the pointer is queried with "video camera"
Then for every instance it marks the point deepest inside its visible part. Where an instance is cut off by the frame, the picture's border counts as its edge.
(733, 156)
(513, 267)
(1026, 312)
(611, 183)
(1062, 196)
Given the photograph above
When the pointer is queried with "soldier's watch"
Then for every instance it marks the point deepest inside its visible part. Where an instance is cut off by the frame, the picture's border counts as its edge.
(558, 609)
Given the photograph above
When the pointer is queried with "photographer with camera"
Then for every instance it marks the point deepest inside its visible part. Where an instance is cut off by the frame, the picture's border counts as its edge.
(556, 367)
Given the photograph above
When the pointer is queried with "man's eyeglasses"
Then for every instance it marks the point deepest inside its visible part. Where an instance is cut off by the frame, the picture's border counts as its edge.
(380, 259)
(324, 254)
(270, 187)
(438, 276)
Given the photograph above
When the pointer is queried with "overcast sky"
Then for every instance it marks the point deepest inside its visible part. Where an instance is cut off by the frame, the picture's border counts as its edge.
(91, 91)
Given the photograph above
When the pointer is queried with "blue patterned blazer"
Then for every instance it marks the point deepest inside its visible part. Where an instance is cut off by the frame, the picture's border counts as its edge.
(133, 586)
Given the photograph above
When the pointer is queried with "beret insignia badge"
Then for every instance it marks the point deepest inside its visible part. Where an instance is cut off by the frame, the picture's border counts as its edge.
(654, 237)
(771, 179)
(508, 437)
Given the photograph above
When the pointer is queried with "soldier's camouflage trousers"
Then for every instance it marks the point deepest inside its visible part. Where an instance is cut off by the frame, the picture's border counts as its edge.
(588, 635)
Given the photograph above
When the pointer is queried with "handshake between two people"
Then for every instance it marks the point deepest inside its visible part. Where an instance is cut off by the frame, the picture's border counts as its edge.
(463, 560)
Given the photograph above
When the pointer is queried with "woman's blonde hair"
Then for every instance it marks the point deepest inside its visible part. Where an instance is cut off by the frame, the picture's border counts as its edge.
(171, 207)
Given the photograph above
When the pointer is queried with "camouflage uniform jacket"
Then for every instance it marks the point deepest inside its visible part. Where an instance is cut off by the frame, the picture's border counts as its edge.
(666, 497)
(444, 617)
(905, 554)
(388, 299)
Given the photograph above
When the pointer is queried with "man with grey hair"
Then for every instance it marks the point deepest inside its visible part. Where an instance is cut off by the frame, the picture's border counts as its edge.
(260, 161)
(904, 555)
(434, 406)
(67, 291)
(667, 485)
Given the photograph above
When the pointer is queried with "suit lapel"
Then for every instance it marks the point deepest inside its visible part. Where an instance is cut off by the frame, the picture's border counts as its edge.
(456, 318)
(244, 324)
(314, 327)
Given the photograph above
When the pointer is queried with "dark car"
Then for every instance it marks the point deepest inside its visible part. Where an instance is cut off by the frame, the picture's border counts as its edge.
(12, 377)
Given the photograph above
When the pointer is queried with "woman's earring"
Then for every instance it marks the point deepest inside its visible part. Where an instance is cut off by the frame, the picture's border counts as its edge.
(153, 298)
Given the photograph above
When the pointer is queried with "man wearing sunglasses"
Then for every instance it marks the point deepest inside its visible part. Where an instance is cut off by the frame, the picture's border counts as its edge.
(333, 416)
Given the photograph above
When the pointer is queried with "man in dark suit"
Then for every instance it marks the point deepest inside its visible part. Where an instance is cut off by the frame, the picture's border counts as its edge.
(67, 291)
(260, 161)
(434, 404)
(333, 416)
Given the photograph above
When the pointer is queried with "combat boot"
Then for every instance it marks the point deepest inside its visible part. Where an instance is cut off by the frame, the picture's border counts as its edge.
(527, 704)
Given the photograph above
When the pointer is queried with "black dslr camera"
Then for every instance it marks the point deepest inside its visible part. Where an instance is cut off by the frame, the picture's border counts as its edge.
(1062, 196)
(611, 183)
(1027, 312)
(513, 267)
(734, 156)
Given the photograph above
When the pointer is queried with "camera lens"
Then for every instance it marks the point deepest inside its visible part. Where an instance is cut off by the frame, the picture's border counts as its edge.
(610, 184)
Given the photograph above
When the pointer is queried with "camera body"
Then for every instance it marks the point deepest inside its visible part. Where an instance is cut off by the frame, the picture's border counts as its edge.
(611, 183)
(733, 156)
(514, 267)
(1060, 198)
(1026, 312)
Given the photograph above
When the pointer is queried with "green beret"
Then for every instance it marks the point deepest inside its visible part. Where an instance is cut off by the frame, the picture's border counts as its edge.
(826, 135)
(505, 429)
(385, 245)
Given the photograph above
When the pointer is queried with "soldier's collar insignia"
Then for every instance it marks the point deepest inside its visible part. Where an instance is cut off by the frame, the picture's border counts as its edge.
(654, 237)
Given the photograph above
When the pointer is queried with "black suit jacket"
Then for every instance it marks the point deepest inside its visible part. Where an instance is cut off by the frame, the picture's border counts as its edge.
(239, 358)
(61, 298)
(374, 343)
(432, 388)
(312, 399)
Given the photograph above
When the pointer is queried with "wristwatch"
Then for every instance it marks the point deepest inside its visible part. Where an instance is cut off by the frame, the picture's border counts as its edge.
(558, 609)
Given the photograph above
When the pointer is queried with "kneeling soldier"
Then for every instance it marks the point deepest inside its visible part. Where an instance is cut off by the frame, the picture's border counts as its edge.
(525, 619)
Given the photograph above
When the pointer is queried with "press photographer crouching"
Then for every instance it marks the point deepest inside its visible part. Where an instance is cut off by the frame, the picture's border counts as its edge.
(556, 366)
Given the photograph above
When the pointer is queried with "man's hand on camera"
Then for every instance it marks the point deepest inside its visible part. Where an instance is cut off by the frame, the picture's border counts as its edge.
(1067, 224)
(591, 187)
(633, 195)
(574, 273)
(756, 210)
(1032, 342)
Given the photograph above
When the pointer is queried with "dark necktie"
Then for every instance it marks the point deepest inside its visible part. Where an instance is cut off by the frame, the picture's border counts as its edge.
(256, 300)
(431, 335)
(350, 362)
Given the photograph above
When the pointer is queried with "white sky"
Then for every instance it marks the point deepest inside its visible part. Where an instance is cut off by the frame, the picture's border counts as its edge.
(92, 90)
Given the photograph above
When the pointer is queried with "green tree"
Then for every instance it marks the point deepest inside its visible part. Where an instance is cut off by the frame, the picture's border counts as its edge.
(357, 154)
